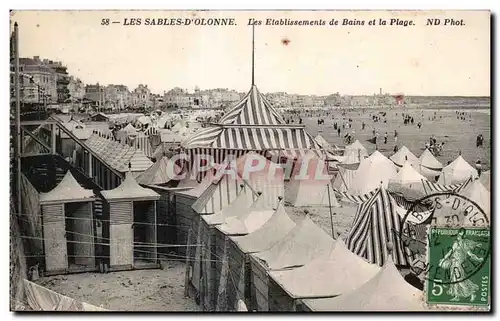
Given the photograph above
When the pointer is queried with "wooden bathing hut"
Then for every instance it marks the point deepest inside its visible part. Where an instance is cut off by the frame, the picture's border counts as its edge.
(132, 226)
(231, 287)
(68, 228)
(303, 243)
(240, 248)
(208, 258)
(188, 191)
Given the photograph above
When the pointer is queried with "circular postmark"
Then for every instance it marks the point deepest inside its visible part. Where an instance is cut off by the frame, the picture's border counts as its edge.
(446, 238)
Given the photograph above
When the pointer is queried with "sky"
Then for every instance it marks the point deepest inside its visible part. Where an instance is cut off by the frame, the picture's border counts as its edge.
(320, 60)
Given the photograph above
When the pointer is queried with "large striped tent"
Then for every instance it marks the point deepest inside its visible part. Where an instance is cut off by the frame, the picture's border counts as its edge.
(376, 224)
(251, 125)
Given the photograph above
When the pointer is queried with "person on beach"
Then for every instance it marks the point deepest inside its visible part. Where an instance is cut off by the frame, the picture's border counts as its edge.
(385, 138)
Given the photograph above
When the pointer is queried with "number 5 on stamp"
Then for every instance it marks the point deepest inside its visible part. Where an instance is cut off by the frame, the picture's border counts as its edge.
(459, 267)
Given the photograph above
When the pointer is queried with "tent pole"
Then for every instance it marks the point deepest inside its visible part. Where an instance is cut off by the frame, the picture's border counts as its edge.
(253, 55)
(330, 208)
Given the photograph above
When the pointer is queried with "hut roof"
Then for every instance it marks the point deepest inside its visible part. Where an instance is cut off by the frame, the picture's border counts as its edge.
(130, 190)
(68, 190)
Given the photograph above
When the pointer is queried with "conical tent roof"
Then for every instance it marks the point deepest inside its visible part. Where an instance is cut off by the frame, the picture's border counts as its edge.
(129, 129)
(403, 155)
(457, 172)
(485, 179)
(249, 220)
(302, 244)
(338, 272)
(372, 172)
(408, 182)
(428, 160)
(159, 173)
(269, 234)
(130, 190)
(241, 203)
(68, 190)
(386, 291)
(253, 109)
(357, 148)
(407, 174)
(477, 193)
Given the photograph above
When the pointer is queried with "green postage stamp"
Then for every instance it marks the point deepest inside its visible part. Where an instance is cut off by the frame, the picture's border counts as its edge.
(459, 266)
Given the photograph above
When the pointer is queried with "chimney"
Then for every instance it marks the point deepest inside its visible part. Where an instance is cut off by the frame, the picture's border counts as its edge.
(36, 58)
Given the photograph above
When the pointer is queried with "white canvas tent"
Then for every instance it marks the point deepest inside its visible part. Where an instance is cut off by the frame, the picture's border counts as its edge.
(356, 148)
(407, 182)
(430, 167)
(477, 193)
(303, 243)
(249, 220)
(269, 234)
(338, 272)
(387, 291)
(372, 172)
(405, 155)
(457, 172)
(310, 184)
(161, 172)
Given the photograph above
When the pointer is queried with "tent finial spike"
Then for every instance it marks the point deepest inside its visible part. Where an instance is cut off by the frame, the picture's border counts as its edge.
(253, 55)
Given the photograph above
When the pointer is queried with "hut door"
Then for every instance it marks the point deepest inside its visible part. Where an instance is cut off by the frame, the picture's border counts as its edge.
(121, 234)
(54, 233)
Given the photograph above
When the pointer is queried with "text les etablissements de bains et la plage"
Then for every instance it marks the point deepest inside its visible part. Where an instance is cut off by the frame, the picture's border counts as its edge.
(131, 21)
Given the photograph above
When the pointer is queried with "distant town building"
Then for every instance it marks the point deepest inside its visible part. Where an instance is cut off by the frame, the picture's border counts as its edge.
(38, 81)
(140, 97)
(76, 89)
(95, 94)
(117, 97)
(181, 98)
(62, 79)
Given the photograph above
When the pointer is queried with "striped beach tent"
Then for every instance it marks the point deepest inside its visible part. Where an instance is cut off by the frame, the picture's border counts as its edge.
(432, 188)
(356, 199)
(252, 125)
(376, 224)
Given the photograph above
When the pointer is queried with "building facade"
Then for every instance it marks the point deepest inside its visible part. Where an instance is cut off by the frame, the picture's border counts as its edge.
(38, 82)
(141, 97)
(76, 89)
(95, 94)
(117, 97)
(62, 79)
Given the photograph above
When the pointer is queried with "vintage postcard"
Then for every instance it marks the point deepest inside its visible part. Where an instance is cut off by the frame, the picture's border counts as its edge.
(252, 161)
